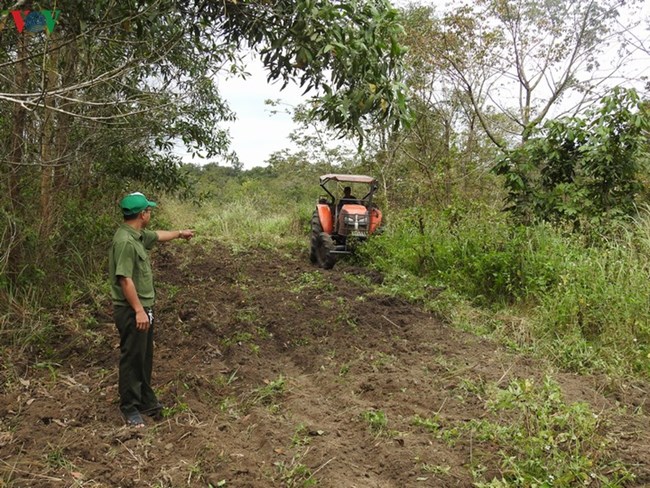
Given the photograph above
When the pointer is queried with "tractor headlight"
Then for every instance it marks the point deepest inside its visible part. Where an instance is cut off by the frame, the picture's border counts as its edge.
(356, 220)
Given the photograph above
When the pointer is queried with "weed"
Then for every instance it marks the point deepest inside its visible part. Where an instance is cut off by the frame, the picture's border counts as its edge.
(344, 370)
(50, 366)
(301, 341)
(229, 405)
(430, 424)
(295, 474)
(313, 280)
(545, 442)
(249, 315)
(171, 289)
(56, 458)
(345, 318)
(269, 393)
(476, 387)
(195, 472)
(178, 408)
(376, 420)
(301, 436)
(435, 469)
(226, 380)
(381, 360)
(238, 338)
(262, 332)
(358, 279)
(526, 286)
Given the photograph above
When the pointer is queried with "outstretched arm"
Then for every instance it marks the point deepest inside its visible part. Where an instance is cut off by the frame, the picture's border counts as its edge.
(168, 235)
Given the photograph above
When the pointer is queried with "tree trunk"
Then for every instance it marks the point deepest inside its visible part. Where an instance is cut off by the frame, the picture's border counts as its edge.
(48, 152)
(15, 159)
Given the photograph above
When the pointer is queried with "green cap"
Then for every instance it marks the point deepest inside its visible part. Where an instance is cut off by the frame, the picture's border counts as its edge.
(135, 203)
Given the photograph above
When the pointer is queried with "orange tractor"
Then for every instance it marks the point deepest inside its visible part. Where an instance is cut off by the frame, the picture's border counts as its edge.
(339, 223)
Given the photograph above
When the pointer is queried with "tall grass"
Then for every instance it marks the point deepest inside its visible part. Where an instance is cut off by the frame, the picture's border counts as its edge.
(584, 306)
(243, 222)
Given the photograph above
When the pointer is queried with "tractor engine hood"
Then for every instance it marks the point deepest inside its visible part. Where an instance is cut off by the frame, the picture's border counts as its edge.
(354, 220)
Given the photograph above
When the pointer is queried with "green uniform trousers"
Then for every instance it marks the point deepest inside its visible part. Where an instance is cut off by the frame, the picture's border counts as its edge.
(136, 361)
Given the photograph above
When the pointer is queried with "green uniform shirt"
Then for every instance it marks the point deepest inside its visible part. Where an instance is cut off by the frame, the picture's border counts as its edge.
(129, 257)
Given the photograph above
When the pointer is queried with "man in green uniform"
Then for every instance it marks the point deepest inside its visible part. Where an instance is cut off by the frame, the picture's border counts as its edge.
(133, 297)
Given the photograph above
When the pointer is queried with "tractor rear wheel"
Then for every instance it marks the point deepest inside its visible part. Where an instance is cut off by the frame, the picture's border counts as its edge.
(316, 229)
(326, 259)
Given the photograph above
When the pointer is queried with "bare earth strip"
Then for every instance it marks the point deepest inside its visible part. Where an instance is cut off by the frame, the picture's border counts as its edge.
(276, 373)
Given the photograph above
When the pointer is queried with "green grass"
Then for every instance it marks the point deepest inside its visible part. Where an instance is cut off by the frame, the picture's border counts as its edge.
(243, 222)
(270, 393)
(376, 420)
(545, 441)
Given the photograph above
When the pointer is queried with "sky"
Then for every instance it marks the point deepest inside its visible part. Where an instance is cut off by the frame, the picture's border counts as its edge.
(257, 132)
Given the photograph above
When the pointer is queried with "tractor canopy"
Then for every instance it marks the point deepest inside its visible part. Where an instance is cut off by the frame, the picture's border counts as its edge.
(347, 179)
(353, 179)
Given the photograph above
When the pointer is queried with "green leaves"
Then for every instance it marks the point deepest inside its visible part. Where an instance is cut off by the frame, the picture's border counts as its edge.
(333, 48)
(581, 169)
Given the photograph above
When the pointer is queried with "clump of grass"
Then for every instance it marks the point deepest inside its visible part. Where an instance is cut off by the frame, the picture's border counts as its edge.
(542, 440)
(431, 424)
(295, 474)
(269, 394)
(244, 222)
(312, 280)
(377, 421)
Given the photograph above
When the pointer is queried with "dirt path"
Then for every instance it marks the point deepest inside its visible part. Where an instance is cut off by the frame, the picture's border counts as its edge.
(280, 374)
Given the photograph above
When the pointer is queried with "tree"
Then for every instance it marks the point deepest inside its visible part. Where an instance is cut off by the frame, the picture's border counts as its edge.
(578, 170)
(443, 150)
(522, 58)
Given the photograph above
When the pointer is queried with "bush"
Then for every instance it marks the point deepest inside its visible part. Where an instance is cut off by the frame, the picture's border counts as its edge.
(585, 306)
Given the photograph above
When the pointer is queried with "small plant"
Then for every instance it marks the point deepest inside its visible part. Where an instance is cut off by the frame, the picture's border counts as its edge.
(344, 370)
(382, 359)
(430, 424)
(56, 458)
(268, 394)
(546, 442)
(376, 420)
(295, 474)
(435, 469)
(238, 338)
(223, 380)
(229, 405)
(314, 280)
(262, 332)
(51, 367)
(194, 473)
(301, 436)
(477, 388)
(345, 318)
(249, 315)
(180, 407)
(172, 290)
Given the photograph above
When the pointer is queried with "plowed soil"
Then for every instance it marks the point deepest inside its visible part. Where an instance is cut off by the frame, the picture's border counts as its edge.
(276, 373)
